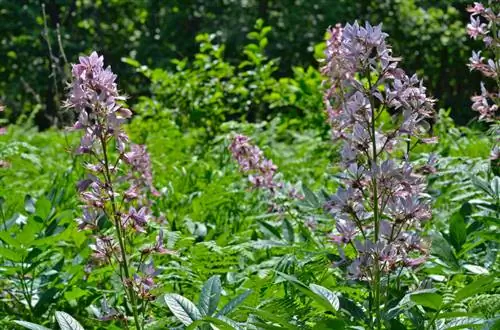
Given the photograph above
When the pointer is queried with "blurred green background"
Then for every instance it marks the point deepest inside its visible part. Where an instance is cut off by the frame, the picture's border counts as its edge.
(428, 34)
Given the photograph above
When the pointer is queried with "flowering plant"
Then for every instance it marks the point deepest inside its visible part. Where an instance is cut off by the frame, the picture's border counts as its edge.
(484, 25)
(117, 188)
(381, 204)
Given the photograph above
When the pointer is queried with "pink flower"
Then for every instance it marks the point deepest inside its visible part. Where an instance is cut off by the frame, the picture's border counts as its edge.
(477, 9)
(476, 28)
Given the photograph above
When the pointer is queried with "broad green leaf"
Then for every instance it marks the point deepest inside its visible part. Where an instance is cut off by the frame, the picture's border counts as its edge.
(67, 322)
(210, 295)
(327, 295)
(458, 230)
(43, 207)
(182, 308)
(5, 237)
(231, 305)
(10, 254)
(442, 249)
(480, 285)
(31, 326)
(427, 299)
(352, 308)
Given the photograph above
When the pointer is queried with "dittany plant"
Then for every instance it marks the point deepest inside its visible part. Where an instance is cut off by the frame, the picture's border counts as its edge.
(118, 187)
(381, 203)
(484, 25)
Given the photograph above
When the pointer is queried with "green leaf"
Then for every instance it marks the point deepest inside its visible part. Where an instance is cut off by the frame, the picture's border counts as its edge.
(43, 207)
(10, 254)
(480, 285)
(442, 249)
(288, 233)
(67, 322)
(270, 229)
(458, 230)
(231, 305)
(130, 61)
(481, 184)
(31, 326)
(427, 299)
(310, 197)
(327, 295)
(5, 237)
(464, 323)
(272, 317)
(475, 269)
(182, 308)
(495, 186)
(214, 323)
(210, 296)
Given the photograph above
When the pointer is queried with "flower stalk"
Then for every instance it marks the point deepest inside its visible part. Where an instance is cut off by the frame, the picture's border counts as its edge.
(380, 205)
(117, 188)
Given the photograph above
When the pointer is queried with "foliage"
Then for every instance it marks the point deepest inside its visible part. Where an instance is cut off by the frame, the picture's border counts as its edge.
(244, 258)
(36, 46)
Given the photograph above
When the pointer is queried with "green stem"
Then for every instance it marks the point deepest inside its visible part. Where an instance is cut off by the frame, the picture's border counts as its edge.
(119, 232)
(376, 224)
(431, 322)
(24, 287)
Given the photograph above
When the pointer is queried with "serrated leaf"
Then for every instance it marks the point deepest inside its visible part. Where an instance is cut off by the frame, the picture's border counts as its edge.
(327, 295)
(67, 322)
(210, 296)
(31, 326)
(427, 299)
(182, 308)
(231, 305)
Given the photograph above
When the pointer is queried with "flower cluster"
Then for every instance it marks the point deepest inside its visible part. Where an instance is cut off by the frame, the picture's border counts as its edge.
(380, 206)
(484, 25)
(251, 160)
(262, 173)
(119, 178)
